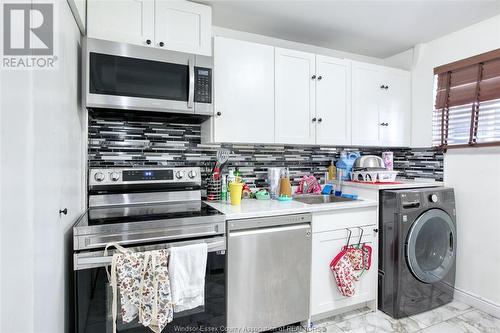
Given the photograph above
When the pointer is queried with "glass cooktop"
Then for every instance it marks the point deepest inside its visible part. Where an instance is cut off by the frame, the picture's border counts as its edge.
(148, 212)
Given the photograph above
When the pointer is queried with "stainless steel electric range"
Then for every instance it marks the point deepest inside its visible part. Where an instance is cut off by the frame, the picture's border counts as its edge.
(145, 209)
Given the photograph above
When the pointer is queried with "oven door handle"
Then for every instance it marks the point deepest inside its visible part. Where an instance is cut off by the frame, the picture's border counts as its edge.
(190, 102)
(94, 259)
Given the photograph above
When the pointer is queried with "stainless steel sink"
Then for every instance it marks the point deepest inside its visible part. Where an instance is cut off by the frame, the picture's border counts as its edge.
(315, 199)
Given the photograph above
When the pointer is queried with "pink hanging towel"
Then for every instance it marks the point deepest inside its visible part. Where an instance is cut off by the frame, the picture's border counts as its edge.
(308, 184)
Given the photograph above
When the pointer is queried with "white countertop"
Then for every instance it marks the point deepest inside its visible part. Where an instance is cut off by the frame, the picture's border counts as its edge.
(405, 183)
(251, 208)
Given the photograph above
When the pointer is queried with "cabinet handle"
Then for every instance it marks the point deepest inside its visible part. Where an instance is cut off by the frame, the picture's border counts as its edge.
(320, 77)
(375, 230)
(148, 41)
(384, 124)
(161, 44)
(219, 113)
(63, 211)
(386, 87)
(313, 77)
(314, 119)
(382, 87)
(320, 120)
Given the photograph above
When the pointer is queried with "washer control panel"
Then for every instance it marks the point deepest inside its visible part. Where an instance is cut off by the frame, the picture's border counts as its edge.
(117, 176)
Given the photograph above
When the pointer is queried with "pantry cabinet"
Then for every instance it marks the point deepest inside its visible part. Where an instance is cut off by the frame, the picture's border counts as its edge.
(295, 79)
(244, 91)
(171, 25)
(381, 104)
(330, 235)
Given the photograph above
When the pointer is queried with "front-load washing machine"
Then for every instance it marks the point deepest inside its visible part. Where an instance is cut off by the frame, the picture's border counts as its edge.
(417, 250)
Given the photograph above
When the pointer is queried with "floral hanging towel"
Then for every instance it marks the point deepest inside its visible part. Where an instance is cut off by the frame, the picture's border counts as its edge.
(156, 309)
(141, 278)
(343, 271)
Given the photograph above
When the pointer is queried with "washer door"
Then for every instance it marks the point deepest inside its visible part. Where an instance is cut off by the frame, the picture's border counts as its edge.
(431, 246)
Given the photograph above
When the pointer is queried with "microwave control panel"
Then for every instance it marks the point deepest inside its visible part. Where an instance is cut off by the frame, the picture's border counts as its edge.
(202, 85)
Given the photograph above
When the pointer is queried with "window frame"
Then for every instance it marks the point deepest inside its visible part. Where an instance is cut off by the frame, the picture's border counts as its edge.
(444, 111)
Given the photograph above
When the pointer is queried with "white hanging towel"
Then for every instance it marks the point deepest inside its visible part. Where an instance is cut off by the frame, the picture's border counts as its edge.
(187, 276)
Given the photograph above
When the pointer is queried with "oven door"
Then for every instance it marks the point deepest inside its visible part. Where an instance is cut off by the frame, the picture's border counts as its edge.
(94, 294)
(131, 77)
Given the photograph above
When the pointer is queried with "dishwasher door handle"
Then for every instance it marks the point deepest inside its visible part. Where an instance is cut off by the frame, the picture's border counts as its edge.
(266, 230)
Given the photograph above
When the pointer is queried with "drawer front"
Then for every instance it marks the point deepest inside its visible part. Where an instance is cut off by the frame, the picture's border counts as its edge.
(349, 218)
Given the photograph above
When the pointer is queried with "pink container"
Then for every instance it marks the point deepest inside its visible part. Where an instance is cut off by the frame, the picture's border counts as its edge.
(388, 158)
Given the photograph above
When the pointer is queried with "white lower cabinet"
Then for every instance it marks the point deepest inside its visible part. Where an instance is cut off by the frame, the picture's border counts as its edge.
(330, 235)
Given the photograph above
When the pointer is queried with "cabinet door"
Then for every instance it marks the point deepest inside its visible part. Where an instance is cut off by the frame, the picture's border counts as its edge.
(294, 96)
(365, 109)
(325, 296)
(333, 101)
(244, 91)
(183, 26)
(395, 105)
(128, 21)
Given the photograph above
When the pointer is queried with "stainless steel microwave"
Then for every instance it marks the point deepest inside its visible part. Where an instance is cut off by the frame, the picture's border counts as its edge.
(131, 77)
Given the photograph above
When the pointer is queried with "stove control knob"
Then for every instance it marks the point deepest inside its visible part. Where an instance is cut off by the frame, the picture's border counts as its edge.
(433, 198)
(114, 176)
(180, 174)
(192, 174)
(99, 176)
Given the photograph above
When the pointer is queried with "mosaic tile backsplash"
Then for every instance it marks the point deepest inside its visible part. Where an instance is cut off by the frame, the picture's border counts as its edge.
(152, 140)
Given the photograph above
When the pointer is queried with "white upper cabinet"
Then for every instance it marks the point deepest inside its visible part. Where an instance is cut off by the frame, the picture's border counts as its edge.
(183, 26)
(294, 96)
(381, 105)
(395, 107)
(333, 109)
(365, 99)
(127, 21)
(172, 25)
(244, 91)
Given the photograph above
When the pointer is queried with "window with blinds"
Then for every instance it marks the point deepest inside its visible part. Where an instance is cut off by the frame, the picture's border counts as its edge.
(467, 102)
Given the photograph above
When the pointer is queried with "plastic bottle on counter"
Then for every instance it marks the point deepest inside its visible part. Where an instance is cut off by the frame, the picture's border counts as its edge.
(345, 163)
(224, 192)
(237, 176)
(230, 178)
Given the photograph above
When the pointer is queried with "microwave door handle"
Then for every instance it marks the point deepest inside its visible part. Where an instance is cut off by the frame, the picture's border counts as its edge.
(191, 84)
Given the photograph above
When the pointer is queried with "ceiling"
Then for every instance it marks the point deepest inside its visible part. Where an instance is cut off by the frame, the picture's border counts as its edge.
(373, 28)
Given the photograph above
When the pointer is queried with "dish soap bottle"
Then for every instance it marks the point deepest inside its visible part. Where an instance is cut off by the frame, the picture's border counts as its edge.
(332, 172)
(285, 186)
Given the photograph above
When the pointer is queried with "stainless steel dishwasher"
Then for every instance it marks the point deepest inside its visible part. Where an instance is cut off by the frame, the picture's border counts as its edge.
(269, 267)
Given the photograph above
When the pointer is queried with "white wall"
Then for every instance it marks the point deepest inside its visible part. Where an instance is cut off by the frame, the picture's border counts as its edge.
(474, 173)
(476, 39)
(42, 167)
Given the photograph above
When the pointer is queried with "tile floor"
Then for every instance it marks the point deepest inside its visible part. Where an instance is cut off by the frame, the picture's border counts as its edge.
(454, 317)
